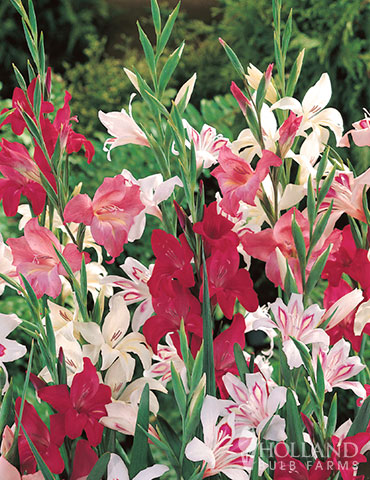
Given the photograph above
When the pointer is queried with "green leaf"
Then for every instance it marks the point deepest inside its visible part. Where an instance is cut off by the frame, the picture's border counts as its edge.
(24, 391)
(83, 278)
(40, 462)
(361, 420)
(32, 18)
(6, 410)
(300, 247)
(179, 391)
(208, 366)
(156, 15)
(357, 237)
(166, 33)
(240, 361)
(325, 187)
(31, 294)
(294, 74)
(148, 51)
(49, 190)
(21, 82)
(364, 204)
(32, 127)
(317, 271)
(322, 165)
(193, 165)
(287, 34)
(294, 424)
(197, 371)
(140, 447)
(320, 382)
(290, 285)
(234, 59)
(254, 473)
(261, 92)
(31, 71)
(311, 210)
(18, 7)
(37, 98)
(42, 57)
(169, 435)
(306, 358)
(169, 68)
(332, 418)
(30, 42)
(61, 367)
(99, 468)
(319, 229)
(50, 335)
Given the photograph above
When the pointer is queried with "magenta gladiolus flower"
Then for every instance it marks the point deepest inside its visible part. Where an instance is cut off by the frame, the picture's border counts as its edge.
(110, 214)
(80, 407)
(35, 257)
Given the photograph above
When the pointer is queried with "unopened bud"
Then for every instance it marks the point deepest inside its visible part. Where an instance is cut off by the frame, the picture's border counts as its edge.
(198, 393)
(240, 98)
(288, 132)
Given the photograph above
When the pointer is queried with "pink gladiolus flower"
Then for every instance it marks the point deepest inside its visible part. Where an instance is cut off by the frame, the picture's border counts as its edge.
(80, 408)
(346, 193)
(238, 181)
(254, 404)
(35, 258)
(338, 367)
(207, 144)
(40, 437)
(288, 132)
(263, 245)
(110, 214)
(294, 321)
(223, 449)
(123, 128)
(360, 133)
(9, 472)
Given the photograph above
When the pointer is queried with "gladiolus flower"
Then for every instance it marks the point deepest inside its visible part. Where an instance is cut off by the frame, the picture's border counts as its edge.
(110, 214)
(360, 133)
(80, 408)
(35, 258)
(117, 470)
(40, 437)
(288, 132)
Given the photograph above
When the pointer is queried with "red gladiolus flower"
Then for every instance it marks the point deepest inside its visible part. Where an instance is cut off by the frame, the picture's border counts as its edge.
(41, 439)
(227, 281)
(23, 103)
(84, 460)
(216, 230)
(289, 468)
(170, 310)
(223, 351)
(80, 407)
(173, 263)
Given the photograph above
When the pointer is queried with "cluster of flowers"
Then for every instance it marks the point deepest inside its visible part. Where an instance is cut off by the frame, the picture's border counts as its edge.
(103, 367)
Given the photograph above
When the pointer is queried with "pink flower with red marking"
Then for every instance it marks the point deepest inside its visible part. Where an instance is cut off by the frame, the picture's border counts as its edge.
(123, 129)
(294, 321)
(360, 133)
(207, 144)
(41, 438)
(34, 257)
(254, 404)
(223, 449)
(338, 367)
(237, 179)
(346, 192)
(80, 407)
(110, 214)
(134, 290)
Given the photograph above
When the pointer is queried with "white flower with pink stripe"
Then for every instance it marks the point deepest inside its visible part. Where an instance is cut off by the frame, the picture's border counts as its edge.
(338, 367)
(294, 321)
(135, 290)
(223, 450)
(254, 404)
(207, 144)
